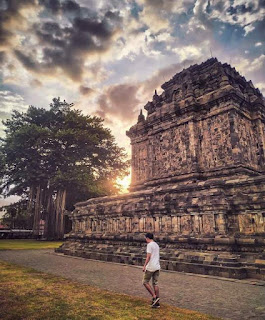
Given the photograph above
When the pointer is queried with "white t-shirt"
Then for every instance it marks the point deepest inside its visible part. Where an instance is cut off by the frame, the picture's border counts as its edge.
(153, 264)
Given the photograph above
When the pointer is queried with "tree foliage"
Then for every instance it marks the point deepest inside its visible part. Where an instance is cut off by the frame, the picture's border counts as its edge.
(56, 157)
(16, 216)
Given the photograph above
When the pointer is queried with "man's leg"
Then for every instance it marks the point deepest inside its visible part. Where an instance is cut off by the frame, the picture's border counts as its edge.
(156, 289)
(149, 289)
(155, 277)
(146, 279)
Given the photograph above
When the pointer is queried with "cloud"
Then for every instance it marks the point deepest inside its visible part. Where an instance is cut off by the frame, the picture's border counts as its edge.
(156, 14)
(2, 57)
(159, 77)
(123, 101)
(165, 7)
(67, 47)
(261, 87)
(12, 16)
(60, 7)
(53, 6)
(247, 65)
(119, 101)
(189, 52)
(112, 55)
(60, 39)
(36, 83)
(10, 101)
(252, 69)
(239, 12)
(258, 64)
(85, 91)
(27, 61)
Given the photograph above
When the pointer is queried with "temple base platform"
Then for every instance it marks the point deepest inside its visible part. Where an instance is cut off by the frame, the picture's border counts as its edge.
(238, 258)
(214, 227)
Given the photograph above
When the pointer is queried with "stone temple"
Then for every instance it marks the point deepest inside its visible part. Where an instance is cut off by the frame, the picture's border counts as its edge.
(198, 181)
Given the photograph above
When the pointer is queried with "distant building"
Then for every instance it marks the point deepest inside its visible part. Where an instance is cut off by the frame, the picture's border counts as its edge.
(2, 212)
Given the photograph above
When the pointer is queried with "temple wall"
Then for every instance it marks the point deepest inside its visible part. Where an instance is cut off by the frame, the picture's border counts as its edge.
(163, 154)
(233, 207)
(214, 142)
(217, 141)
(177, 225)
(198, 182)
(140, 162)
(186, 224)
(170, 152)
(247, 144)
(222, 138)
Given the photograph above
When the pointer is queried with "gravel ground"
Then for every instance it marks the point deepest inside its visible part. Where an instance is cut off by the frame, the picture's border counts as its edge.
(225, 298)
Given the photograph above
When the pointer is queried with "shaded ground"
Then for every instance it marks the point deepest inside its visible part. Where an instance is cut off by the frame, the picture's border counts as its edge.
(226, 299)
(22, 244)
(28, 294)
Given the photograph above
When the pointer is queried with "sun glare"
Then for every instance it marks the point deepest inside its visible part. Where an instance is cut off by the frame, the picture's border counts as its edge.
(124, 183)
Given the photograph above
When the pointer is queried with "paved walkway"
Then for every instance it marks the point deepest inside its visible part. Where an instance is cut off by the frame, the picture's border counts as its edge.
(238, 300)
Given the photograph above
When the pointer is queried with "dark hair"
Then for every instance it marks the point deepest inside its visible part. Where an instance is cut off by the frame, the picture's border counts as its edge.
(149, 235)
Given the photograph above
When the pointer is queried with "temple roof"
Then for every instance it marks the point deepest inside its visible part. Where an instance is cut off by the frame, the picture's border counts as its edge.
(199, 80)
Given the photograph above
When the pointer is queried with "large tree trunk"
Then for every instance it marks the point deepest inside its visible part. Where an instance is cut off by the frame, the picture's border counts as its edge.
(59, 213)
(30, 202)
(49, 216)
(37, 215)
(54, 214)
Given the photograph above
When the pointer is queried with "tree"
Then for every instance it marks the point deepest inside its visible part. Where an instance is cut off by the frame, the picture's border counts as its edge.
(56, 157)
(17, 216)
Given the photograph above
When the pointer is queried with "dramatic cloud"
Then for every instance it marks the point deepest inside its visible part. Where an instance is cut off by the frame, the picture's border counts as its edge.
(60, 42)
(11, 15)
(108, 57)
(67, 47)
(158, 78)
(244, 14)
(119, 101)
(123, 102)
(238, 12)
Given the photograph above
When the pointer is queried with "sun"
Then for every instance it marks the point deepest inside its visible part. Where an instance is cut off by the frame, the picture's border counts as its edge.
(124, 183)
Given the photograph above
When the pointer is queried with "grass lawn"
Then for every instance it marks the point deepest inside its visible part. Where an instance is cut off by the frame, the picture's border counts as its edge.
(17, 244)
(29, 294)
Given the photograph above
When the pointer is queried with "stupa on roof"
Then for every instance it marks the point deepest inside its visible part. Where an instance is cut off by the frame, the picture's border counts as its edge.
(198, 173)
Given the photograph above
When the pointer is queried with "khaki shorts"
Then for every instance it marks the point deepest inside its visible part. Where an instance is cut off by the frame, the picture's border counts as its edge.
(148, 275)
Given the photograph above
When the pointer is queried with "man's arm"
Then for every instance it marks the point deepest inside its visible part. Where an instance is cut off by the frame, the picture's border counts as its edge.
(148, 257)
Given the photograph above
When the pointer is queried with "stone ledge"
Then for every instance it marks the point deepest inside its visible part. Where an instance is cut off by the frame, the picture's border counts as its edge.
(218, 263)
(180, 266)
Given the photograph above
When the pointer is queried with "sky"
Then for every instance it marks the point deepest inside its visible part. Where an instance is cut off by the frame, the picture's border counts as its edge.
(108, 57)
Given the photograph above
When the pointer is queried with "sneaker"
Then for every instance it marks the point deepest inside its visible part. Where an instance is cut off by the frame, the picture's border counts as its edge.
(155, 302)
(156, 306)
(153, 299)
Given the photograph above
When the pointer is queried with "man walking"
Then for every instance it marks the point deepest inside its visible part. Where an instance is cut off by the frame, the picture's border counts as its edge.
(151, 269)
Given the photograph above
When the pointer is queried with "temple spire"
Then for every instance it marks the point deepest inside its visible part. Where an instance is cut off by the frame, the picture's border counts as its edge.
(141, 117)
